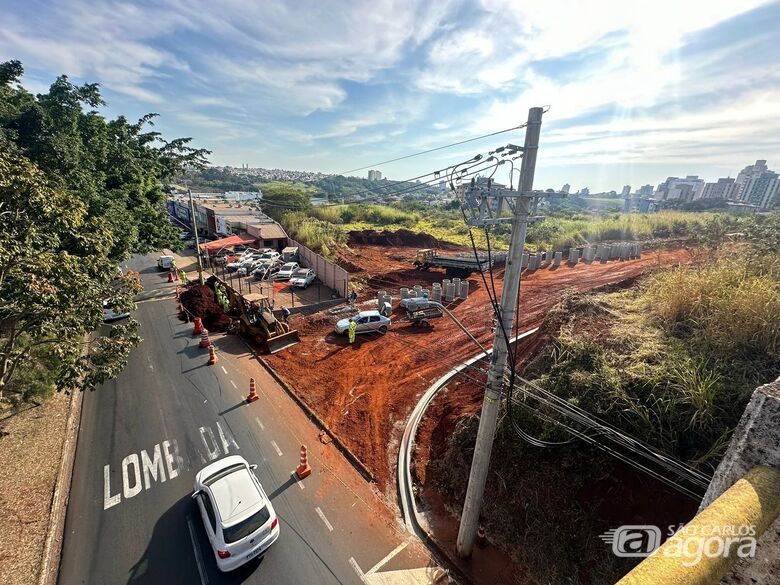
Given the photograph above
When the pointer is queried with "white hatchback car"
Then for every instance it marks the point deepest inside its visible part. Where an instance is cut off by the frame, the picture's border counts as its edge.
(240, 521)
(287, 270)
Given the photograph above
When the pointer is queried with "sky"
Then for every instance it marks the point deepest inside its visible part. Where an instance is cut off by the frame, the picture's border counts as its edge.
(637, 90)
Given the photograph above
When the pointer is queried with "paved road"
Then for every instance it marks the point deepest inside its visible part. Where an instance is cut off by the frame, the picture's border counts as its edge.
(144, 436)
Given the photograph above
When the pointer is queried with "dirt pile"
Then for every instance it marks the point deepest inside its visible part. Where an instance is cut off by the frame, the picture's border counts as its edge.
(393, 238)
(199, 301)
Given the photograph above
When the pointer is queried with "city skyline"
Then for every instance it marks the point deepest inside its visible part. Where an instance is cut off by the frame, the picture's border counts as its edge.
(643, 92)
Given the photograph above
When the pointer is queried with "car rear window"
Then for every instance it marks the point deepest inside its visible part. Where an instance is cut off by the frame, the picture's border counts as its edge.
(246, 527)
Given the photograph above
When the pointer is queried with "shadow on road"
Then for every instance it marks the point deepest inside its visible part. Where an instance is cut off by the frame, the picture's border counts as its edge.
(169, 558)
(234, 407)
(278, 491)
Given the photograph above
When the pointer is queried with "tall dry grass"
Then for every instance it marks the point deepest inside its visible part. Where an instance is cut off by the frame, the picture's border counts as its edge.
(728, 304)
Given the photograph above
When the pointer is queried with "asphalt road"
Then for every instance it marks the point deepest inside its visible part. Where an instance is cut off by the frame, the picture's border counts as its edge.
(143, 437)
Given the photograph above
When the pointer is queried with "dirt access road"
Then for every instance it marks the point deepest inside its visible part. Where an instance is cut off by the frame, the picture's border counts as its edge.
(366, 391)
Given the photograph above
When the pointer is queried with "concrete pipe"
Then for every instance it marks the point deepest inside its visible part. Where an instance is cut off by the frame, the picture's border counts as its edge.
(557, 259)
(464, 289)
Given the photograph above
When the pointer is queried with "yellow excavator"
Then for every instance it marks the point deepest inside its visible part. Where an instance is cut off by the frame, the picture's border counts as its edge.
(257, 321)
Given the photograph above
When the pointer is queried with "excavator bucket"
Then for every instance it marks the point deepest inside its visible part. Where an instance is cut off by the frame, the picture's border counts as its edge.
(283, 340)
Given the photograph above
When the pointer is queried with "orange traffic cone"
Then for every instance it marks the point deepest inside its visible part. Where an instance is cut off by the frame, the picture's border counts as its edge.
(198, 329)
(170, 276)
(204, 339)
(212, 356)
(252, 391)
(303, 470)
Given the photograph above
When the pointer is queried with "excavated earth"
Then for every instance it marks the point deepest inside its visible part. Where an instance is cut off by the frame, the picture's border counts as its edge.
(366, 391)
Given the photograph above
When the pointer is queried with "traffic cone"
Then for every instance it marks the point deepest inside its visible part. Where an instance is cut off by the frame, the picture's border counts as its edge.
(303, 470)
(170, 276)
(198, 329)
(212, 356)
(204, 339)
(252, 391)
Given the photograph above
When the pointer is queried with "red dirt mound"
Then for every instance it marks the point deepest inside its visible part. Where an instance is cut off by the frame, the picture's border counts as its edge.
(199, 300)
(396, 238)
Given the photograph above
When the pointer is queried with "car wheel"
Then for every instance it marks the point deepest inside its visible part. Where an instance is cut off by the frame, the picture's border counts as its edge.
(383, 329)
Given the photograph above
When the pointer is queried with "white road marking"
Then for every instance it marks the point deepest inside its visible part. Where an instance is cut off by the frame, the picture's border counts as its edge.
(298, 481)
(324, 519)
(257, 420)
(385, 560)
(198, 560)
(223, 369)
(357, 568)
(278, 450)
(234, 384)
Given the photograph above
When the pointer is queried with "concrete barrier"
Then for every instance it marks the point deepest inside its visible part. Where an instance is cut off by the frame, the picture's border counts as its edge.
(750, 505)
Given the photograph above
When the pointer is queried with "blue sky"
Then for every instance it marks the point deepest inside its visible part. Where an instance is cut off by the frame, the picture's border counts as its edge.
(637, 90)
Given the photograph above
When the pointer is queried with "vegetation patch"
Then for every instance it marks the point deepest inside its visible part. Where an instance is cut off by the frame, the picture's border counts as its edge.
(671, 362)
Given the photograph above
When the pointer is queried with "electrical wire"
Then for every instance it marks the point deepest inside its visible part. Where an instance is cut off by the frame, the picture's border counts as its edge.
(392, 160)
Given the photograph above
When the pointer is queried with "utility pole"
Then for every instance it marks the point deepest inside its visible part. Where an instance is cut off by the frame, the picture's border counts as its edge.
(197, 240)
(495, 384)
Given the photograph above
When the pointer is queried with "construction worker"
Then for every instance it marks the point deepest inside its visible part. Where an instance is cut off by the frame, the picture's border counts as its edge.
(285, 314)
(353, 297)
(352, 331)
(183, 276)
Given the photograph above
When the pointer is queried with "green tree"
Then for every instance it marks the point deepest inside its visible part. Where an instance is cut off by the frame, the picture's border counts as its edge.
(78, 194)
(280, 198)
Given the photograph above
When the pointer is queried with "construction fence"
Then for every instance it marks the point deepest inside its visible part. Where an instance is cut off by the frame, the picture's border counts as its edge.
(329, 273)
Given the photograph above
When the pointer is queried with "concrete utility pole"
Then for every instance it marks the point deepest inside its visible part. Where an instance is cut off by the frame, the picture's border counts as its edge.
(495, 384)
(195, 233)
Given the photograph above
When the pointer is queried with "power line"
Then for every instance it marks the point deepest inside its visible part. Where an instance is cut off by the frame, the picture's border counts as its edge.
(384, 162)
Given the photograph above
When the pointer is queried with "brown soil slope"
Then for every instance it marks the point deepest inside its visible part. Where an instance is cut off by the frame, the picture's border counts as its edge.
(366, 391)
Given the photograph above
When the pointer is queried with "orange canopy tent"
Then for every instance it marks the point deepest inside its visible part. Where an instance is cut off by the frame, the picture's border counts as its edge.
(228, 242)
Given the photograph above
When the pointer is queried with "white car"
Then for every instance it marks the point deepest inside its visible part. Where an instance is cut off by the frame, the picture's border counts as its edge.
(110, 315)
(367, 322)
(303, 278)
(270, 256)
(287, 270)
(239, 519)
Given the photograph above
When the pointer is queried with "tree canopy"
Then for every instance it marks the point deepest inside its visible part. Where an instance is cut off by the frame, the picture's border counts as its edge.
(78, 194)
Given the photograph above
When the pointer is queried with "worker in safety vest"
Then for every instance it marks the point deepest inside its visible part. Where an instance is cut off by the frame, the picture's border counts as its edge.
(183, 276)
(352, 331)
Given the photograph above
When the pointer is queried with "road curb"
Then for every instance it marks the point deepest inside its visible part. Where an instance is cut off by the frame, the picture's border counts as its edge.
(314, 417)
(52, 551)
(404, 481)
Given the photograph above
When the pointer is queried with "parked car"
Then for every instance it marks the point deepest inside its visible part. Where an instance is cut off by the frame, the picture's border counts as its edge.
(238, 516)
(287, 270)
(415, 303)
(245, 256)
(110, 315)
(266, 270)
(303, 278)
(270, 255)
(290, 254)
(249, 265)
(367, 322)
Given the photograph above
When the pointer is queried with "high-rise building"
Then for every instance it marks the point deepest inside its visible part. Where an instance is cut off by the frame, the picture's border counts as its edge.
(626, 191)
(762, 191)
(749, 172)
(645, 191)
(566, 188)
(723, 189)
(374, 175)
(686, 189)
